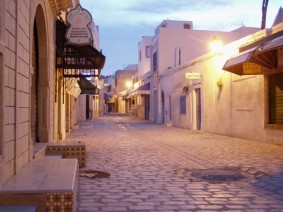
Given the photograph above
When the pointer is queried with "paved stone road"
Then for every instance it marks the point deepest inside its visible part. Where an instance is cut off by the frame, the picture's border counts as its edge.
(156, 168)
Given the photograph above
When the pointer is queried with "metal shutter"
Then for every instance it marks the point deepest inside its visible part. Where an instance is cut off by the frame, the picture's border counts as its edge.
(276, 99)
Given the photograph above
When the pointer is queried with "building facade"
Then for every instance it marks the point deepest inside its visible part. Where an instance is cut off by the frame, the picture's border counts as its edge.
(37, 93)
(140, 94)
(27, 58)
(175, 43)
(236, 92)
(123, 84)
(89, 100)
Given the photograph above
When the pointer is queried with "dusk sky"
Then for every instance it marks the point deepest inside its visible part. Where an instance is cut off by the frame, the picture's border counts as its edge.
(122, 23)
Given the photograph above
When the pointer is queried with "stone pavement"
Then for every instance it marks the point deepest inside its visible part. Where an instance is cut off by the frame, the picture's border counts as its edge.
(158, 168)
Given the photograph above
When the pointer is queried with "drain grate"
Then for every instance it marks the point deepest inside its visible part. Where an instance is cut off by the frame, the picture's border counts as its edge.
(93, 174)
(220, 174)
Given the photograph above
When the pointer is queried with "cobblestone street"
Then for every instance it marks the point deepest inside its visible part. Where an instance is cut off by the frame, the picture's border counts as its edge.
(158, 168)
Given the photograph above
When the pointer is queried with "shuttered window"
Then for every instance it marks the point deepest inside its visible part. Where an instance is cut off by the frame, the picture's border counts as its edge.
(154, 61)
(183, 104)
(276, 99)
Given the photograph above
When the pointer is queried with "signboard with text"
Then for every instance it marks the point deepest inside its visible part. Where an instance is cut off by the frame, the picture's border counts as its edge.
(192, 76)
(78, 32)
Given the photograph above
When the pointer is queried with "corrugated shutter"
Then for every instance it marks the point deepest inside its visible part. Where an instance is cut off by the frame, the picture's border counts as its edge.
(276, 99)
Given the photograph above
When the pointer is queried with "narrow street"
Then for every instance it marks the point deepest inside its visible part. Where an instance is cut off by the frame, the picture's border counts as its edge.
(158, 168)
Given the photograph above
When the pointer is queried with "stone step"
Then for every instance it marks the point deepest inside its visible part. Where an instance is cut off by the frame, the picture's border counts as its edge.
(51, 178)
(18, 208)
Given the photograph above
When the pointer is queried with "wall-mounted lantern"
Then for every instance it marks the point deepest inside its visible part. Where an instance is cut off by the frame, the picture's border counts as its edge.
(216, 45)
(185, 89)
(220, 83)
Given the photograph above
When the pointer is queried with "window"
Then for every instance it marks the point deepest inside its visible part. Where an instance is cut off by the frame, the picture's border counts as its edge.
(140, 56)
(183, 104)
(147, 51)
(154, 61)
(163, 25)
(187, 26)
(180, 55)
(276, 99)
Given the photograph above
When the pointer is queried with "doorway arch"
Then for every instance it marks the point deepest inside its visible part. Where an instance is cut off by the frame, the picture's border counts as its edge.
(40, 104)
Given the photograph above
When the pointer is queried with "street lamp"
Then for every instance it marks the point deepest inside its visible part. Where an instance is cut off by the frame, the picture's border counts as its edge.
(129, 84)
(216, 45)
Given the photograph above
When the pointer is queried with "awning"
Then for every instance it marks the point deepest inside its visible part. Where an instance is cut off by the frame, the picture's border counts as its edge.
(252, 61)
(87, 87)
(76, 60)
(271, 45)
(268, 51)
(243, 63)
(143, 89)
(72, 87)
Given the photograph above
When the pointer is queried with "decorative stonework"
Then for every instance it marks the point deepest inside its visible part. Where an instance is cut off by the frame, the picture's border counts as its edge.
(60, 202)
(69, 151)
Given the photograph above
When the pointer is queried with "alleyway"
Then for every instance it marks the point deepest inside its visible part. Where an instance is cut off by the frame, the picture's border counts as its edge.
(156, 168)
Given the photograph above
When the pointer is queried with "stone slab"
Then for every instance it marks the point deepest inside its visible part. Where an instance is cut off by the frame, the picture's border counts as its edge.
(18, 208)
(45, 175)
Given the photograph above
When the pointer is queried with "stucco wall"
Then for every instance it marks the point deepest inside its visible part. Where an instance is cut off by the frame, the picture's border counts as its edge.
(247, 118)
(190, 43)
(144, 62)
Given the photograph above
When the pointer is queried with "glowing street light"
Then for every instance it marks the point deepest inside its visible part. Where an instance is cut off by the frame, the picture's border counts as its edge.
(129, 84)
(216, 45)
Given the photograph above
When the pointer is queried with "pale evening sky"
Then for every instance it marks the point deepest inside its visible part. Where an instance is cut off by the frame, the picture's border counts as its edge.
(122, 23)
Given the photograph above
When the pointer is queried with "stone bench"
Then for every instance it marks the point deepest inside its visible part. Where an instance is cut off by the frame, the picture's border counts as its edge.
(48, 183)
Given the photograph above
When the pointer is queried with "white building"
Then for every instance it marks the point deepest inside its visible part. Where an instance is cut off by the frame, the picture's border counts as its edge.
(245, 101)
(140, 95)
(175, 43)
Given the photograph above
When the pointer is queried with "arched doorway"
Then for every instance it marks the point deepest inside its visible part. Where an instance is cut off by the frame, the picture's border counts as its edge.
(39, 80)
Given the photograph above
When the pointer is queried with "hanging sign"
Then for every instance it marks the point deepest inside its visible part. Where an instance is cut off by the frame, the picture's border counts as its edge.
(192, 76)
(78, 32)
